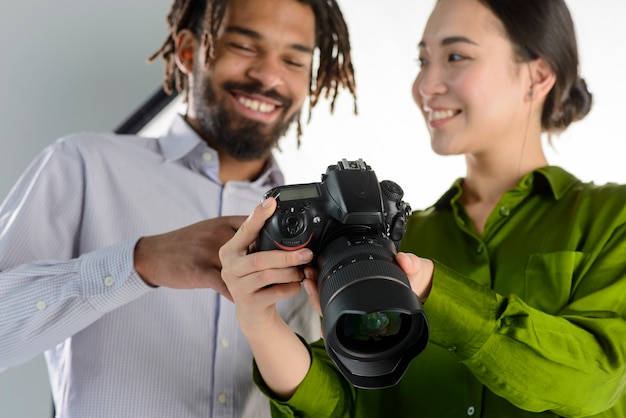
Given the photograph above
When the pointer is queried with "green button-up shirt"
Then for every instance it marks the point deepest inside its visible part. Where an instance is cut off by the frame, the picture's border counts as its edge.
(528, 319)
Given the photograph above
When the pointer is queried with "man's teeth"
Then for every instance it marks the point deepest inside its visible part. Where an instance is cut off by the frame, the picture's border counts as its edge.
(256, 105)
(440, 114)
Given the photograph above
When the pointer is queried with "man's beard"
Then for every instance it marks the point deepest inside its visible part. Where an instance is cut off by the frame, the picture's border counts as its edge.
(241, 138)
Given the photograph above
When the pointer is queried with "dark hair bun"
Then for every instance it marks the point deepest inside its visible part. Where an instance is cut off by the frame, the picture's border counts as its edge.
(576, 105)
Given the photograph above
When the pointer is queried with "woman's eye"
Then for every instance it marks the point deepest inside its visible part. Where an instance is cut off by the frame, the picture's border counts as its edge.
(421, 61)
(455, 57)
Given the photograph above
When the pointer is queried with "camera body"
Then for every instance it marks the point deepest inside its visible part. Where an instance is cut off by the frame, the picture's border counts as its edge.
(373, 323)
(348, 197)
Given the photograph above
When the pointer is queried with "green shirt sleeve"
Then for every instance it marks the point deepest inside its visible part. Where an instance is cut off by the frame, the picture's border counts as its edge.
(518, 351)
(322, 393)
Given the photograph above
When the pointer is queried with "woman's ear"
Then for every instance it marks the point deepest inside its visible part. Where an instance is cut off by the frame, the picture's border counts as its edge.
(542, 78)
(185, 53)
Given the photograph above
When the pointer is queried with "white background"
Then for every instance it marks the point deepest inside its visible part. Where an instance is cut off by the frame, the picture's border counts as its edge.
(72, 65)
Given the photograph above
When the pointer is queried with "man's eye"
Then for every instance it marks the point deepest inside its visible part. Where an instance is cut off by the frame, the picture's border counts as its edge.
(293, 63)
(241, 47)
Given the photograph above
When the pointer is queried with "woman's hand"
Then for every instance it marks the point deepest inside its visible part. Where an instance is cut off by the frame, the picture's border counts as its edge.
(419, 271)
(257, 280)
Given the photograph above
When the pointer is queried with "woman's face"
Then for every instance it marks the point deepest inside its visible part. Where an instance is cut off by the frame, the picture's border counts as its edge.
(470, 88)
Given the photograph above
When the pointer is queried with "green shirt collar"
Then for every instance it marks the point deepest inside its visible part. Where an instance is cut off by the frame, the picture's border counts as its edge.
(549, 180)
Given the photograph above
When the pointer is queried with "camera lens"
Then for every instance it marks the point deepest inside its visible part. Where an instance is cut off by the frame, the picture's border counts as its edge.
(372, 332)
(372, 321)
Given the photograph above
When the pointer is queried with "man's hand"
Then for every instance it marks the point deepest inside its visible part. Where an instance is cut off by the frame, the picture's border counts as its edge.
(187, 258)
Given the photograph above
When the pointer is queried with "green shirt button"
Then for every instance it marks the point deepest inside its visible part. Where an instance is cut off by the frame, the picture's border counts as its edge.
(504, 211)
(480, 249)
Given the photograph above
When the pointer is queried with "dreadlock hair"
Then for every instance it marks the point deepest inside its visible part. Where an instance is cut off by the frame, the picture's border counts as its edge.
(204, 18)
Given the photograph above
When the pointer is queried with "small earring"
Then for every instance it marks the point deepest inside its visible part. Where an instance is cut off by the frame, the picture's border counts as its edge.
(531, 93)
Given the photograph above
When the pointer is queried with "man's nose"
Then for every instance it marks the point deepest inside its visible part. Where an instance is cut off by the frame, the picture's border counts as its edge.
(267, 70)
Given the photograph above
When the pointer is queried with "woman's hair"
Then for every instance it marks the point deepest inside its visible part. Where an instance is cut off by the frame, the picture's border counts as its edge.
(204, 18)
(544, 29)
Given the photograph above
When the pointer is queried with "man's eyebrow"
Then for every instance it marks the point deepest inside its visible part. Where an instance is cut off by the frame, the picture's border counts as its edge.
(256, 35)
(451, 40)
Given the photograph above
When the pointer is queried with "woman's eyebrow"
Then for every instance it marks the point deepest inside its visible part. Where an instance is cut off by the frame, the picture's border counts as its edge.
(451, 40)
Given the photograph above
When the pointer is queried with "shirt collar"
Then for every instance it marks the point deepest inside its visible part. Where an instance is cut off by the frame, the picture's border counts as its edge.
(554, 180)
(549, 180)
(272, 176)
(179, 140)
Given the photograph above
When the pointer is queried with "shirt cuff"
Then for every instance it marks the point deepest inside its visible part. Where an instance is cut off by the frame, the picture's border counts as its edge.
(109, 277)
(320, 394)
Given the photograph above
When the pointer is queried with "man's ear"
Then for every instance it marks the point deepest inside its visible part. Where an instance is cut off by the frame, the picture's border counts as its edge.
(186, 48)
(542, 78)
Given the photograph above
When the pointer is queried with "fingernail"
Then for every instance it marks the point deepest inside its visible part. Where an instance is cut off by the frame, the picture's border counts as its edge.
(307, 287)
(266, 203)
(305, 255)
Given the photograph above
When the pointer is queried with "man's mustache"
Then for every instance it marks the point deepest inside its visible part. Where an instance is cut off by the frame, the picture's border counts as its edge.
(256, 88)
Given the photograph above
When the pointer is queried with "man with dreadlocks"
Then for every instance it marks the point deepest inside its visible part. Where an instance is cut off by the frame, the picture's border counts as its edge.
(109, 244)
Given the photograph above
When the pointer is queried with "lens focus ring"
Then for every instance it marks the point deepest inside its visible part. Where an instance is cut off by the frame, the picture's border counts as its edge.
(361, 269)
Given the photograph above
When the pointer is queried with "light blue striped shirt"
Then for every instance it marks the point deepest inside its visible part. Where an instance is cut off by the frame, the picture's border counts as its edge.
(114, 346)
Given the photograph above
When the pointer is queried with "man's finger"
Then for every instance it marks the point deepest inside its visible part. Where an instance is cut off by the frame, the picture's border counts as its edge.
(234, 221)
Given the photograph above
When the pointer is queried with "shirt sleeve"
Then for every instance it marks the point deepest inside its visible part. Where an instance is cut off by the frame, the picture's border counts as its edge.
(571, 363)
(322, 393)
(48, 291)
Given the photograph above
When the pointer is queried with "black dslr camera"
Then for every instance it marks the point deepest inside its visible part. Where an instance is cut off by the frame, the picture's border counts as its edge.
(373, 323)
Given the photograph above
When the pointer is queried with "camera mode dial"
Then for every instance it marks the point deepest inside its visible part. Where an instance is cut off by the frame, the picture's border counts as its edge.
(292, 220)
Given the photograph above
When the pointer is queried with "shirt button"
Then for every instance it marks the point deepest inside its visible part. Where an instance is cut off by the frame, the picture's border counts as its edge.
(504, 211)
(224, 342)
(109, 281)
(42, 305)
(480, 249)
(207, 156)
(221, 398)
(470, 411)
